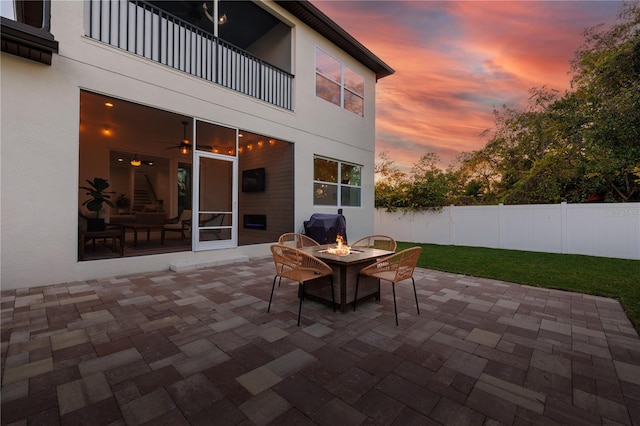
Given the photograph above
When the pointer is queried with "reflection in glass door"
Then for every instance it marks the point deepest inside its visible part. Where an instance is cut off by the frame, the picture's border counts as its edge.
(184, 187)
(217, 188)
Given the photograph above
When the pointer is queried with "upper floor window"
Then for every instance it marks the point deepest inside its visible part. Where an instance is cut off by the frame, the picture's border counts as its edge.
(24, 29)
(34, 13)
(336, 183)
(339, 84)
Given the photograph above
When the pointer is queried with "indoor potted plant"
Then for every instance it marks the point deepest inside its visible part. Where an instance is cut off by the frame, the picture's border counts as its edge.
(122, 204)
(98, 191)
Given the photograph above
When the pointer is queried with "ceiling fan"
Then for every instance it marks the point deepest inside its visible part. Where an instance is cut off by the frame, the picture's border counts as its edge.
(185, 145)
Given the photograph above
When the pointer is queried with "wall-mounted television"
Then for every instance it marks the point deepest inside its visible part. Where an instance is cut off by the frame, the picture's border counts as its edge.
(253, 180)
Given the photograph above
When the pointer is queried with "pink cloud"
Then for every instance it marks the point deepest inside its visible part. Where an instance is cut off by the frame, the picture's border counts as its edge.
(456, 61)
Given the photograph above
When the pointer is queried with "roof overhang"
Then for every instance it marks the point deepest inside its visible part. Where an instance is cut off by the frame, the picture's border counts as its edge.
(314, 18)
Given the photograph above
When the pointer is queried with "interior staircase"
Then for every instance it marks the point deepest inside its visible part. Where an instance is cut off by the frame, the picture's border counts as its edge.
(143, 194)
(141, 197)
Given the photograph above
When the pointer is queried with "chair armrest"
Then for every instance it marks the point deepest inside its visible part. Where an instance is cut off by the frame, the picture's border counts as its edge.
(172, 220)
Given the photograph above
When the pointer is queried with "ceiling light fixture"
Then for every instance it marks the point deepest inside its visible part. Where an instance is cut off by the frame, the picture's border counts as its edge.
(135, 162)
(221, 19)
(185, 145)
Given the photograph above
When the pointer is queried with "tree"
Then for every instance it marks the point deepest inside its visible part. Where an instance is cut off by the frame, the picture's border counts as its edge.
(587, 141)
(607, 81)
(390, 185)
(545, 150)
(559, 148)
(472, 178)
(429, 187)
(529, 158)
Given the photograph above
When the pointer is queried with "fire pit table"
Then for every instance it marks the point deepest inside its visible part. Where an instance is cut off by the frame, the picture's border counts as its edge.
(346, 267)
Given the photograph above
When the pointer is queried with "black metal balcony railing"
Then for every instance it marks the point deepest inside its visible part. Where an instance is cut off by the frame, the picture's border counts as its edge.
(141, 28)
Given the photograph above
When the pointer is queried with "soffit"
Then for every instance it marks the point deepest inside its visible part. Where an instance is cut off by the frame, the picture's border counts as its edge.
(318, 21)
(238, 14)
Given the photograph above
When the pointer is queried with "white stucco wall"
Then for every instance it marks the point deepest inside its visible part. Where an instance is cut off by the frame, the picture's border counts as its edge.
(39, 144)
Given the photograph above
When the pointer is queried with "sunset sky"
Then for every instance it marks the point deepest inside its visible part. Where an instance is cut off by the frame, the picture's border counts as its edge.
(456, 61)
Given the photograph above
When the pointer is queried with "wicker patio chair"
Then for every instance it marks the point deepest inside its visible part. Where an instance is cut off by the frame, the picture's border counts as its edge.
(296, 240)
(395, 268)
(296, 265)
(381, 242)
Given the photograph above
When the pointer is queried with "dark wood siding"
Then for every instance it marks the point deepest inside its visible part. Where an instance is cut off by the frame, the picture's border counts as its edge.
(276, 202)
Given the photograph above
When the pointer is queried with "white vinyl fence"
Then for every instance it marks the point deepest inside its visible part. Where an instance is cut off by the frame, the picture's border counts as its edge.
(606, 229)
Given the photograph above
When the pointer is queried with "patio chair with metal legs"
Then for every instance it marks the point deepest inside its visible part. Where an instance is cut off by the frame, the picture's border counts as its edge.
(296, 265)
(395, 268)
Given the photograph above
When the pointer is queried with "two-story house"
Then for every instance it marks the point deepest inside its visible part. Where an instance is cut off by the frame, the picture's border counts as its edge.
(239, 119)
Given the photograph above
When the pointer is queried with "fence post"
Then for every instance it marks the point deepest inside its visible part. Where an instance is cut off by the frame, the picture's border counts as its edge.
(564, 237)
(500, 226)
(637, 254)
(452, 225)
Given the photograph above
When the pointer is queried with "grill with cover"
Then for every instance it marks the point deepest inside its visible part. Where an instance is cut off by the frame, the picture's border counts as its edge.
(325, 228)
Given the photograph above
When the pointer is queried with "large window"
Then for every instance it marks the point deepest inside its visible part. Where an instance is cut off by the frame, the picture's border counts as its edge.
(336, 183)
(177, 173)
(339, 84)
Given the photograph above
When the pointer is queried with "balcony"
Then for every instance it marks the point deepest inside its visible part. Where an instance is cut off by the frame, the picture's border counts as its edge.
(180, 35)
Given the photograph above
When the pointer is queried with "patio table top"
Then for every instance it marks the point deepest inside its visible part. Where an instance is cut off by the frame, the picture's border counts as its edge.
(359, 254)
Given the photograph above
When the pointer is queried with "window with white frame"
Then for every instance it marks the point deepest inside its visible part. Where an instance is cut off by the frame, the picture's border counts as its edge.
(339, 84)
(336, 183)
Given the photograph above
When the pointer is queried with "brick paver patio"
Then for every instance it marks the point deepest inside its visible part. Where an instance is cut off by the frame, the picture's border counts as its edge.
(200, 348)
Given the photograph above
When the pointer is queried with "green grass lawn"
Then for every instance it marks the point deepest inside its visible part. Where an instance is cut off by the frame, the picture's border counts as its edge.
(600, 276)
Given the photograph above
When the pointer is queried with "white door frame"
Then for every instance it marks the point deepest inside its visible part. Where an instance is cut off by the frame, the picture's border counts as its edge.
(195, 234)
